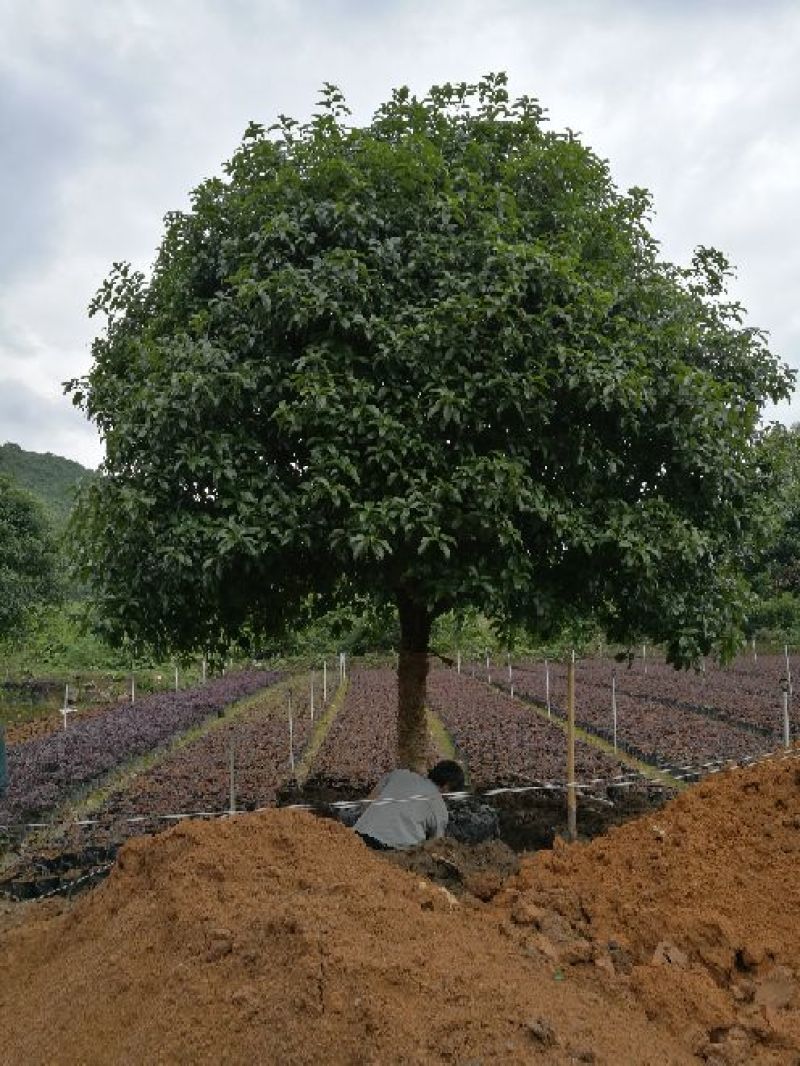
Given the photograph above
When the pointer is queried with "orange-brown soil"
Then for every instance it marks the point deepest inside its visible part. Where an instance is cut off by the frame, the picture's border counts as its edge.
(279, 938)
(696, 907)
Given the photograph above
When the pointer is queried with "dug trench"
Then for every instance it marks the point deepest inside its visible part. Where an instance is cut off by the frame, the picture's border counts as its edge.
(486, 838)
(279, 937)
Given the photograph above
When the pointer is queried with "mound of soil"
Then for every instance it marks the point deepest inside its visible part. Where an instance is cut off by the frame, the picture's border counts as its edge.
(694, 908)
(279, 937)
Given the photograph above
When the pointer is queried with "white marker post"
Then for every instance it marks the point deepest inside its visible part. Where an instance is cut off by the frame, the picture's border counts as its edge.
(614, 706)
(547, 686)
(66, 709)
(510, 674)
(785, 699)
(755, 655)
(176, 677)
(291, 734)
(324, 680)
(232, 795)
(205, 669)
(644, 657)
(312, 699)
(458, 662)
(788, 668)
(488, 669)
(133, 688)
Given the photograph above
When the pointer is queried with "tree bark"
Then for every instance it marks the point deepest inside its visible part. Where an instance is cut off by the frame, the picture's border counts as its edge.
(412, 672)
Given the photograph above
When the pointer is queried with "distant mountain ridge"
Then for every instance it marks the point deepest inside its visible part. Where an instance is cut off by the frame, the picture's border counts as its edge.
(50, 478)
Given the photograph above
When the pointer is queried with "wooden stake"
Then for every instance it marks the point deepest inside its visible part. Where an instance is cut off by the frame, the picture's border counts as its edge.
(572, 814)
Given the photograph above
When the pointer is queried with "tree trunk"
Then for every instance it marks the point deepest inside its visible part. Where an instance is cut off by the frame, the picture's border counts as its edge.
(412, 671)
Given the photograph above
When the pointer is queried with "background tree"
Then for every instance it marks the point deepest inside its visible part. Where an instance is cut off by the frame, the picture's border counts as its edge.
(28, 557)
(772, 561)
(435, 360)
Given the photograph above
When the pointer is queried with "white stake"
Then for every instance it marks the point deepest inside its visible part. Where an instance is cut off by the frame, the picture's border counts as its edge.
(786, 732)
(205, 668)
(176, 677)
(312, 699)
(291, 734)
(324, 680)
(755, 656)
(232, 801)
(788, 668)
(66, 709)
(547, 686)
(458, 662)
(644, 657)
(133, 688)
(488, 670)
(614, 705)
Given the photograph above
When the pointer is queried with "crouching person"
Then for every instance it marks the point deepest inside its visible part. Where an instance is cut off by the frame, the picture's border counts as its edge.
(407, 808)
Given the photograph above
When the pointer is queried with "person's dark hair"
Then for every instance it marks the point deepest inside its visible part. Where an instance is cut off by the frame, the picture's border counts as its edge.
(447, 774)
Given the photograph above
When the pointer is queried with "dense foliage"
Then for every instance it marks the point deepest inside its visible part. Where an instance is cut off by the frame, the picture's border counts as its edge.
(28, 572)
(435, 360)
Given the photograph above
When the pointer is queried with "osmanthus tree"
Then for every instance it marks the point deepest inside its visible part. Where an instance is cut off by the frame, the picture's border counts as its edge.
(437, 360)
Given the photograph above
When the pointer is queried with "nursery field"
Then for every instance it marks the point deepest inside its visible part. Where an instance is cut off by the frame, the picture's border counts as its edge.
(85, 789)
(675, 720)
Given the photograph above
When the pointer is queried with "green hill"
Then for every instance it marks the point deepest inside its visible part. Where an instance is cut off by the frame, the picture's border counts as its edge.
(51, 478)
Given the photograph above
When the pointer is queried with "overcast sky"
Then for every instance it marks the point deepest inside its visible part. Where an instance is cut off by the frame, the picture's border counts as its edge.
(110, 112)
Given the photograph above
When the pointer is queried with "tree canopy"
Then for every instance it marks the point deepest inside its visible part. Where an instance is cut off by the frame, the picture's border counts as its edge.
(28, 558)
(436, 359)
